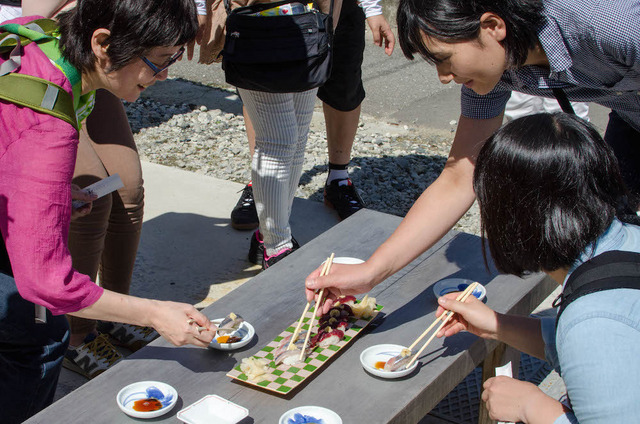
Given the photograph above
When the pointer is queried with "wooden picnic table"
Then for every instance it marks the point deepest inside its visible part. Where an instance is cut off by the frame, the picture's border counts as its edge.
(274, 299)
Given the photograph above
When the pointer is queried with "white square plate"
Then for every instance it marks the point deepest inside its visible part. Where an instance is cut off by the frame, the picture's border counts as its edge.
(212, 409)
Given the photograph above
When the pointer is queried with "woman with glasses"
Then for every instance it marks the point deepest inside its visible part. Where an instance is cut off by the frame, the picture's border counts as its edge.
(104, 243)
(122, 48)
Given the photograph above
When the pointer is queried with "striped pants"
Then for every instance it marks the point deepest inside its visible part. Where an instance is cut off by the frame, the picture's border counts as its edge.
(281, 123)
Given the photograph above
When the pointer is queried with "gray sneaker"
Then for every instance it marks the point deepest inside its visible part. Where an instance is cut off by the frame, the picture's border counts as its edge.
(132, 337)
(93, 357)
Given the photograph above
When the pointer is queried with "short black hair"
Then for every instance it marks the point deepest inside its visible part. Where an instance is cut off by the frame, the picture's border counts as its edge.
(452, 21)
(136, 27)
(548, 186)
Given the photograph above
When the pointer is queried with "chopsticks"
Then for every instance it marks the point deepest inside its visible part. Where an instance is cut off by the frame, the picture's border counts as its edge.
(325, 270)
(445, 317)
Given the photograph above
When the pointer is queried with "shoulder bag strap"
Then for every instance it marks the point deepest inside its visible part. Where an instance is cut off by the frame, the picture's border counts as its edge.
(563, 100)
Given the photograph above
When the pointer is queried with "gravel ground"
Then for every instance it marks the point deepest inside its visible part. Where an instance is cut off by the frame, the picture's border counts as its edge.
(391, 165)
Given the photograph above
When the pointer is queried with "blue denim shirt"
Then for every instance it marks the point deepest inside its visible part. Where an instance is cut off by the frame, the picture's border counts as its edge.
(596, 347)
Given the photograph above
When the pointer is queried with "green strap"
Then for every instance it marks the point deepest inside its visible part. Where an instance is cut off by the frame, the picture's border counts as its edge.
(27, 32)
(40, 95)
(41, 31)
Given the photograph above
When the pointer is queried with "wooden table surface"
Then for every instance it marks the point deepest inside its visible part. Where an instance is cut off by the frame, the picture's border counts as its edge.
(275, 298)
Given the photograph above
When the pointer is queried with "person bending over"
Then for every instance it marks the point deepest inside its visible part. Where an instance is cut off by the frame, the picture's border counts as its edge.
(549, 189)
(122, 47)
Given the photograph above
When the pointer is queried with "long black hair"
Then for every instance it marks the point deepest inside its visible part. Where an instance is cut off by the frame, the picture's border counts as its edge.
(136, 27)
(454, 21)
(548, 186)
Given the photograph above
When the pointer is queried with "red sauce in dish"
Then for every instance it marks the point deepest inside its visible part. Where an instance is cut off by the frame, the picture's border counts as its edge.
(147, 405)
(380, 365)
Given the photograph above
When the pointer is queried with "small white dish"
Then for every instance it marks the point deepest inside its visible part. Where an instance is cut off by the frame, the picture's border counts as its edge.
(247, 330)
(346, 260)
(303, 414)
(382, 353)
(212, 409)
(449, 285)
(158, 390)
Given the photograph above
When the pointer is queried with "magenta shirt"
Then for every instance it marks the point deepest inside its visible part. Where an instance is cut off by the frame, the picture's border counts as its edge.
(37, 158)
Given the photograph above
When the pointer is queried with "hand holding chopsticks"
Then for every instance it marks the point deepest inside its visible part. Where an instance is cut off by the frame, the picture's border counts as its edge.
(325, 270)
(444, 317)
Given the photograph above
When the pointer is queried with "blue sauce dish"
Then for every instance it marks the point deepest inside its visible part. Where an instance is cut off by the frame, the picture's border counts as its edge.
(309, 415)
(449, 285)
(304, 419)
(147, 399)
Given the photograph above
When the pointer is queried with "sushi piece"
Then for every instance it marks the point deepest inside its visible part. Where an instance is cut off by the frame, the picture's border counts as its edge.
(398, 362)
(234, 337)
(345, 300)
(327, 338)
(288, 357)
(230, 324)
(343, 326)
(284, 344)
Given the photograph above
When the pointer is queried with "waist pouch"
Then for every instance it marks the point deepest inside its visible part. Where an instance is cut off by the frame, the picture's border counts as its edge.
(277, 53)
(610, 270)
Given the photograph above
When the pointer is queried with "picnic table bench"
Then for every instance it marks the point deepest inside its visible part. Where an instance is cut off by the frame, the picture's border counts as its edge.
(275, 298)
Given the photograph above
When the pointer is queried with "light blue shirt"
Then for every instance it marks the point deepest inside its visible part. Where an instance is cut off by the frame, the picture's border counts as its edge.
(597, 345)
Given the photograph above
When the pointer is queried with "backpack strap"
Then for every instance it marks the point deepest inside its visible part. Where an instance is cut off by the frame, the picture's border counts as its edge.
(33, 92)
(610, 270)
(40, 95)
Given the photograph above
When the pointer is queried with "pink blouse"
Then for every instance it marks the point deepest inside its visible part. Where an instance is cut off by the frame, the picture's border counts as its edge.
(37, 158)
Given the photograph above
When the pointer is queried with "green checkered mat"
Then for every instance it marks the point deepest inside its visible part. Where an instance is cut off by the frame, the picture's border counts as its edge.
(283, 379)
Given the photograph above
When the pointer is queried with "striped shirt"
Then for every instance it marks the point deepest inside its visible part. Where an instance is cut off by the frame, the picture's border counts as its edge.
(593, 48)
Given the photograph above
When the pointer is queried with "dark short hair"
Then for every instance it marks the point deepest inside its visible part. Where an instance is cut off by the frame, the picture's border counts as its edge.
(548, 186)
(454, 21)
(136, 27)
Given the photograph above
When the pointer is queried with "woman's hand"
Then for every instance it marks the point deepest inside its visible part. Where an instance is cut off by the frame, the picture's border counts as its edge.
(342, 280)
(512, 400)
(202, 24)
(182, 324)
(382, 33)
(472, 315)
(78, 194)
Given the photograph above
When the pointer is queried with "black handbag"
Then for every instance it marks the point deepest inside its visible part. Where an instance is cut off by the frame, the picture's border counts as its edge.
(277, 54)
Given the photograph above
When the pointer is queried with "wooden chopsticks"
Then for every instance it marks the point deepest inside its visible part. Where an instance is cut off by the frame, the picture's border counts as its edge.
(328, 263)
(444, 317)
(325, 270)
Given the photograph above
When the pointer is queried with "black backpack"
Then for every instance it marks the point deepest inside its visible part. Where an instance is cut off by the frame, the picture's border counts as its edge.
(610, 270)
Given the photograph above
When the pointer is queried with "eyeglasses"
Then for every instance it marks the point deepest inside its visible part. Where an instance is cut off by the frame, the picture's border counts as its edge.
(156, 70)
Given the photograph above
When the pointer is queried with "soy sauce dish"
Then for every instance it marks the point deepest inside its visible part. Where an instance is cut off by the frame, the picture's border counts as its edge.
(310, 414)
(449, 285)
(147, 399)
(374, 358)
(245, 332)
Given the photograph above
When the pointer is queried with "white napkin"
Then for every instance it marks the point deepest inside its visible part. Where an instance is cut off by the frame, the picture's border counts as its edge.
(507, 371)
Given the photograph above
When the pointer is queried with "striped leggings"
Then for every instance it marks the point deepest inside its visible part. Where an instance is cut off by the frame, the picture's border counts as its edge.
(281, 123)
